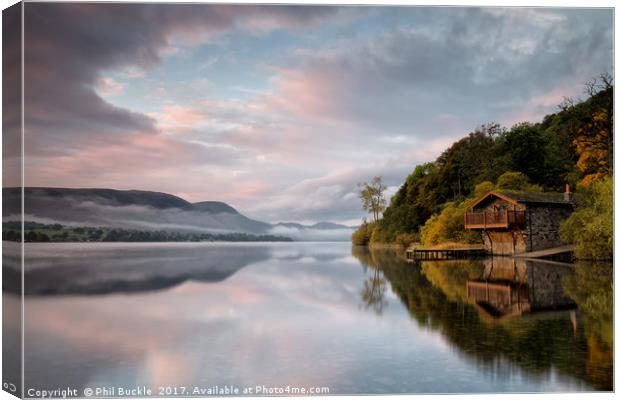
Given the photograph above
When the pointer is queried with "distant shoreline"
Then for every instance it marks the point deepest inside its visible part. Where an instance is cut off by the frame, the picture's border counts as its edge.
(56, 233)
(214, 242)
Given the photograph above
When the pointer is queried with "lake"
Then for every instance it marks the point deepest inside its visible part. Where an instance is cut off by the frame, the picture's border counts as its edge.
(312, 315)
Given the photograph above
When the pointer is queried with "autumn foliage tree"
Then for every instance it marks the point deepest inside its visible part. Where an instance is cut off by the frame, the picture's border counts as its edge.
(372, 196)
(594, 131)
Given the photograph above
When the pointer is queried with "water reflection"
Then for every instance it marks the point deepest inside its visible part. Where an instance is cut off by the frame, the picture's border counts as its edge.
(464, 300)
(11, 317)
(374, 289)
(290, 314)
(510, 287)
(591, 286)
(93, 269)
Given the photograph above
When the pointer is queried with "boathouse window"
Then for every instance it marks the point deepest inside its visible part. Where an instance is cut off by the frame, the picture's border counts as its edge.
(498, 208)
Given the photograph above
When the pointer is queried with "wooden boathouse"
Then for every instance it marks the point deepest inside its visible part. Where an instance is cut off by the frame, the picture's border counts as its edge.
(515, 222)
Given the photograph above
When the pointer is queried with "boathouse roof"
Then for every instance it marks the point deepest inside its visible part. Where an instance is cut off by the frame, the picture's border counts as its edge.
(515, 197)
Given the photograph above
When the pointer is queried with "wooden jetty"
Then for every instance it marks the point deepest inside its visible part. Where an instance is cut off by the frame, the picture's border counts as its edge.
(445, 254)
(560, 253)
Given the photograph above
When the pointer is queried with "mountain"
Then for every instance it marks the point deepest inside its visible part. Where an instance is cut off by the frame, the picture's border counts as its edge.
(214, 207)
(321, 231)
(329, 225)
(144, 210)
(129, 209)
(318, 225)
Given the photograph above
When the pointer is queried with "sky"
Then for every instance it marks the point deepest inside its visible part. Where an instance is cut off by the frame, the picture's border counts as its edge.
(280, 111)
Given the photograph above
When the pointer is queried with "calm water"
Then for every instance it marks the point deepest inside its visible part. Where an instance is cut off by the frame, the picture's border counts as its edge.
(309, 315)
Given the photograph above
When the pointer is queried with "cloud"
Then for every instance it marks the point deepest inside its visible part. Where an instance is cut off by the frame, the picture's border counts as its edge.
(69, 47)
(209, 62)
(11, 96)
(109, 87)
(332, 197)
(173, 116)
(476, 64)
(281, 110)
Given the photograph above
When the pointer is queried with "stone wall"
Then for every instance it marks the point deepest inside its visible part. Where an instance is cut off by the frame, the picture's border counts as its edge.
(543, 225)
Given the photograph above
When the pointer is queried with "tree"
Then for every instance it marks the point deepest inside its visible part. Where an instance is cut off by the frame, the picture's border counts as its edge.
(493, 129)
(448, 226)
(483, 188)
(593, 130)
(361, 236)
(466, 162)
(590, 227)
(411, 205)
(526, 150)
(516, 181)
(372, 196)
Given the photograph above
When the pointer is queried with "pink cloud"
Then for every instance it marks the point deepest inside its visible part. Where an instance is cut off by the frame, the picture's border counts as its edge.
(125, 161)
(173, 116)
(305, 93)
(107, 87)
(543, 103)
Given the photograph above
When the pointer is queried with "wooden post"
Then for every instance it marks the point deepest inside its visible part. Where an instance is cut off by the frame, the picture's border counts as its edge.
(487, 291)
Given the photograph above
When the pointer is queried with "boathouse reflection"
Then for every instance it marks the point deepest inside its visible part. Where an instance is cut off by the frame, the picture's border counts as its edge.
(510, 287)
(436, 295)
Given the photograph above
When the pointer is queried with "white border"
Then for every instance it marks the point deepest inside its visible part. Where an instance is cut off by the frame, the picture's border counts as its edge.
(488, 3)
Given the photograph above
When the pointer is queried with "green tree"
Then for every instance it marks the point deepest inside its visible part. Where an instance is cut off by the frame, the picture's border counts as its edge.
(413, 203)
(590, 227)
(372, 196)
(483, 188)
(362, 235)
(448, 226)
(516, 181)
(465, 162)
(525, 147)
